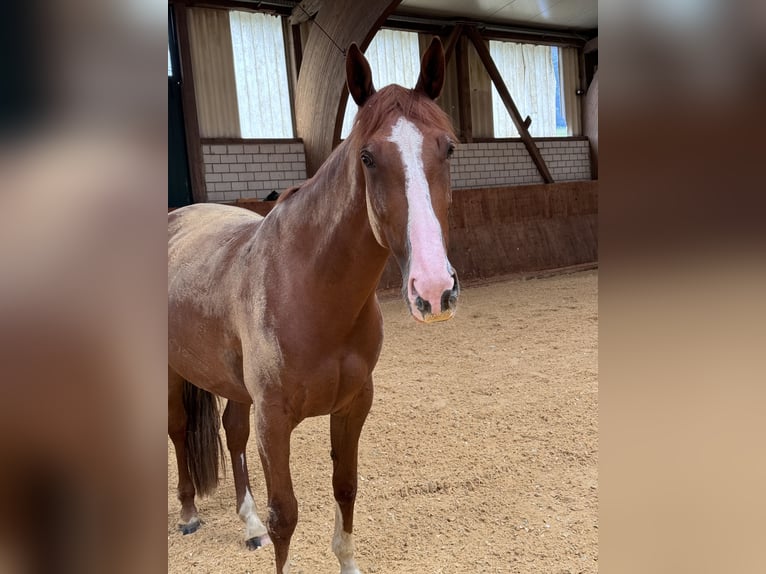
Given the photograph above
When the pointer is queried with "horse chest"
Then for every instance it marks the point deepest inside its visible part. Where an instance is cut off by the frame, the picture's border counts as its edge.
(329, 384)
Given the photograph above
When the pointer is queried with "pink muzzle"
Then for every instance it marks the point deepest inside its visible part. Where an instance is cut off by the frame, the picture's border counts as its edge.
(432, 284)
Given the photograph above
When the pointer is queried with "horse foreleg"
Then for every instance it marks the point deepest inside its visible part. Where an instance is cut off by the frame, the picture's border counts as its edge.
(177, 430)
(345, 429)
(274, 429)
(236, 422)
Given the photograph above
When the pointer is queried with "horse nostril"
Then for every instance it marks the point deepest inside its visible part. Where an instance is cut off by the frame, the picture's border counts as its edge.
(422, 305)
(449, 297)
(448, 300)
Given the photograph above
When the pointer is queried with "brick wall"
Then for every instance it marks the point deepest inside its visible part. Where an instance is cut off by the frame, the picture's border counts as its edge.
(502, 163)
(244, 171)
(251, 171)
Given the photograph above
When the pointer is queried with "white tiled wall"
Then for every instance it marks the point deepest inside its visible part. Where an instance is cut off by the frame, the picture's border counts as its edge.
(508, 163)
(240, 171)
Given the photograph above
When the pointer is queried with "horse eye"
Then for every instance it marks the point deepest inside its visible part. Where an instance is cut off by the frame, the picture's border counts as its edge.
(450, 150)
(367, 159)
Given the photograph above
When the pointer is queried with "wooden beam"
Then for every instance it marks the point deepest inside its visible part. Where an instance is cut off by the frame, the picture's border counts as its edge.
(304, 11)
(464, 90)
(502, 90)
(297, 42)
(457, 31)
(321, 90)
(246, 5)
(189, 103)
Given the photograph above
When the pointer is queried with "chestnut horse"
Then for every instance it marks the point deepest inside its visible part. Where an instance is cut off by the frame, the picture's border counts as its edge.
(281, 312)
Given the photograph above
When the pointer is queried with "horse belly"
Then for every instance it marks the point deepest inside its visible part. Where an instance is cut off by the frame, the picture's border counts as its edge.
(213, 376)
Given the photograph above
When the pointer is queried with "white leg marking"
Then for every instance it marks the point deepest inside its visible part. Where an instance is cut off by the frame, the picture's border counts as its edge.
(429, 266)
(343, 545)
(247, 512)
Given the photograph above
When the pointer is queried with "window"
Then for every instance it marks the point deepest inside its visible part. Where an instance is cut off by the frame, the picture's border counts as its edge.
(240, 74)
(242, 83)
(528, 72)
(394, 57)
(260, 69)
(539, 79)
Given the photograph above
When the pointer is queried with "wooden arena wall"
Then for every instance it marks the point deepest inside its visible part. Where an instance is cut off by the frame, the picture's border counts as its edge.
(516, 229)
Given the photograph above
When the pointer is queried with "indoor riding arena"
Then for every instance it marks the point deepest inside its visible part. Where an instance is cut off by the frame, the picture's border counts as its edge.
(480, 450)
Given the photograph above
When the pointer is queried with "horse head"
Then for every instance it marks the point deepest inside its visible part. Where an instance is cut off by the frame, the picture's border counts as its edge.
(404, 143)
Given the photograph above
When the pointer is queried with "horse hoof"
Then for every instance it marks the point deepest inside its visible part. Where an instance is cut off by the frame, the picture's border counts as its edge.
(190, 526)
(256, 542)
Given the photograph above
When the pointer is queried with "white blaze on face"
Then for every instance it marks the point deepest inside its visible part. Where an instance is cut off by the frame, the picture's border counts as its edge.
(430, 271)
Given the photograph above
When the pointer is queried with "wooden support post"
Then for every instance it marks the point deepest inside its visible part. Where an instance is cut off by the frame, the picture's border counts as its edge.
(502, 90)
(464, 90)
(189, 103)
(304, 11)
(295, 31)
(456, 33)
(321, 90)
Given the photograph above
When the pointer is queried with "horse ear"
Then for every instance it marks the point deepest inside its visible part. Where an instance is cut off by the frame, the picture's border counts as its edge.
(358, 75)
(431, 78)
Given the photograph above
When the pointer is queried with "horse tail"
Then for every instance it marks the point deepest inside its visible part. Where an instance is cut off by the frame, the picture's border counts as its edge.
(203, 442)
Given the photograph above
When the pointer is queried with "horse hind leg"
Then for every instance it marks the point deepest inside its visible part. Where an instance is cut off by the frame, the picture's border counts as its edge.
(193, 423)
(345, 430)
(236, 422)
(177, 422)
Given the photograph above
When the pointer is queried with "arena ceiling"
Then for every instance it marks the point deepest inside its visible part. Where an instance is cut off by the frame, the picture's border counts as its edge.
(575, 16)
(560, 14)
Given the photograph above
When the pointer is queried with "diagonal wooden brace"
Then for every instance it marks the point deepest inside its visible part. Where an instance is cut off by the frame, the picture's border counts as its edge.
(502, 90)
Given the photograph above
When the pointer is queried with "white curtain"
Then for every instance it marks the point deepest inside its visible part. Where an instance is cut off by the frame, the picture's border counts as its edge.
(394, 57)
(569, 72)
(261, 75)
(527, 71)
(212, 62)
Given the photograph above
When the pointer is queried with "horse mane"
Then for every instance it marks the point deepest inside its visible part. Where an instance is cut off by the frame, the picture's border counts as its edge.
(332, 164)
(287, 193)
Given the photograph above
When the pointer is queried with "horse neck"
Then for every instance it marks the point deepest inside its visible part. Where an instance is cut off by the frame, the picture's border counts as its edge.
(333, 209)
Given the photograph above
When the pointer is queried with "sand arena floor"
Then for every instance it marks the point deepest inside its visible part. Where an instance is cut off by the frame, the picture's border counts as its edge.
(480, 453)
